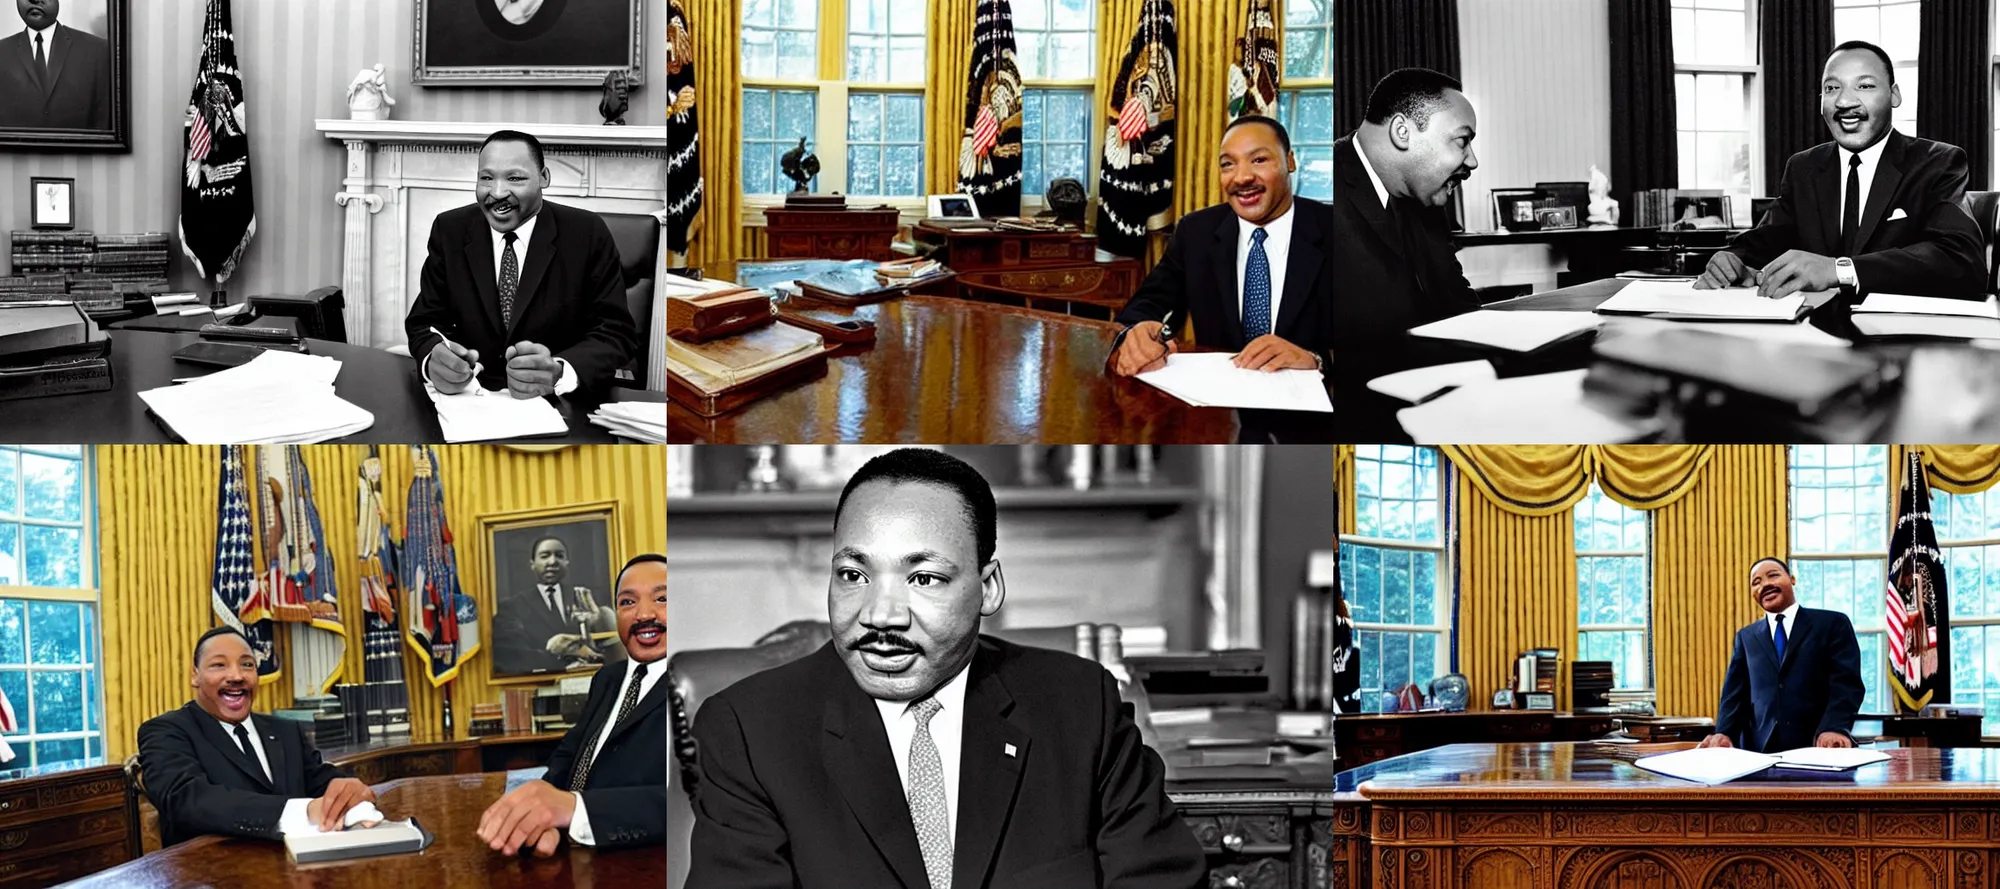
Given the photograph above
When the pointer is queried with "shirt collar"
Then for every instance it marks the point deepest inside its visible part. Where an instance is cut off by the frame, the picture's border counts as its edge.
(1870, 156)
(49, 29)
(522, 235)
(1791, 619)
(951, 695)
(1381, 191)
(229, 729)
(1278, 230)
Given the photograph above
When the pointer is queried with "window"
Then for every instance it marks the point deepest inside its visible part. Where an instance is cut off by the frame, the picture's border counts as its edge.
(1715, 78)
(773, 123)
(1611, 588)
(48, 604)
(885, 143)
(1055, 139)
(781, 39)
(1055, 46)
(1968, 531)
(1892, 25)
(885, 41)
(1840, 538)
(1305, 97)
(780, 48)
(1392, 570)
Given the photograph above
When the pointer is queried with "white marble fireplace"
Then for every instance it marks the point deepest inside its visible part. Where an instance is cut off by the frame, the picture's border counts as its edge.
(402, 174)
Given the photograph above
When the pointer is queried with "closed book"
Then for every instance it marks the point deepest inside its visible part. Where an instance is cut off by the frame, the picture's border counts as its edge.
(63, 378)
(34, 328)
(386, 838)
(748, 355)
(698, 318)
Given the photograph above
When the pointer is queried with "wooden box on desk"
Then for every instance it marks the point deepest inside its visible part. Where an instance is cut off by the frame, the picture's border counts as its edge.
(831, 234)
(1034, 265)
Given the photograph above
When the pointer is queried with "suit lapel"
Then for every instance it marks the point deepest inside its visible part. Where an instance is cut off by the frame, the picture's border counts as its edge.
(1359, 193)
(275, 752)
(1794, 637)
(1826, 189)
(232, 751)
(539, 249)
(1300, 265)
(1882, 189)
(28, 67)
(856, 752)
(58, 56)
(989, 773)
(1225, 278)
(479, 252)
(647, 704)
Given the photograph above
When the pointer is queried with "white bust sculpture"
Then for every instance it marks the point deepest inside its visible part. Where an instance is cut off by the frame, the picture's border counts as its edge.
(1603, 210)
(368, 95)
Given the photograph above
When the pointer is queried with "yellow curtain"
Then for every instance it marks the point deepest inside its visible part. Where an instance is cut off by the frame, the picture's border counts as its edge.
(1537, 480)
(718, 229)
(948, 57)
(1960, 469)
(156, 508)
(1702, 548)
(1343, 483)
(1517, 588)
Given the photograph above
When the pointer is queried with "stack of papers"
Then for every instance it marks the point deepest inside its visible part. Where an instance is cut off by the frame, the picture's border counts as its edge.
(1419, 384)
(1523, 331)
(279, 397)
(481, 414)
(1679, 299)
(1899, 315)
(1539, 409)
(636, 420)
(1207, 379)
(1721, 765)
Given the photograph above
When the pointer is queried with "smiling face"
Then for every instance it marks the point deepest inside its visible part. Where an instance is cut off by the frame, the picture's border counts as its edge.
(1257, 173)
(225, 678)
(642, 611)
(38, 14)
(510, 184)
(1771, 586)
(907, 591)
(550, 561)
(1856, 98)
(1440, 155)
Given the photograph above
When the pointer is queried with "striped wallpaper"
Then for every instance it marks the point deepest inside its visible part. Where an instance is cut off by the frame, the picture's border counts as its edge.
(297, 57)
(1535, 72)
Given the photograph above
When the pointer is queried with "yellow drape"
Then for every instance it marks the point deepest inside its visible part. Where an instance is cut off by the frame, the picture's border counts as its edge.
(1343, 484)
(1538, 480)
(718, 65)
(156, 508)
(1960, 469)
(1517, 588)
(949, 57)
(1703, 545)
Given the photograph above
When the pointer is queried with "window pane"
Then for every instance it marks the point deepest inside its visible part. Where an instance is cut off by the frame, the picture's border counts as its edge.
(798, 55)
(1028, 46)
(798, 13)
(906, 59)
(54, 633)
(903, 119)
(1075, 14)
(864, 169)
(1071, 55)
(52, 556)
(903, 170)
(867, 58)
(13, 631)
(760, 53)
(58, 702)
(1423, 659)
(1305, 52)
(10, 481)
(864, 117)
(47, 752)
(10, 553)
(89, 633)
(1030, 15)
(50, 488)
(758, 12)
(1395, 661)
(797, 117)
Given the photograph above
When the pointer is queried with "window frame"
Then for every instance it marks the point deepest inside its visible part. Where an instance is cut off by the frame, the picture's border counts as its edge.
(1644, 555)
(1441, 625)
(88, 593)
(1900, 65)
(1288, 83)
(1953, 621)
(1753, 109)
(1887, 507)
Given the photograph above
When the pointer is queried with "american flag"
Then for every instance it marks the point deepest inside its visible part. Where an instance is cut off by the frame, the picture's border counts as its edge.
(985, 133)
(441, 618)
(1919, 657)
(233, 588)
(1132, 120)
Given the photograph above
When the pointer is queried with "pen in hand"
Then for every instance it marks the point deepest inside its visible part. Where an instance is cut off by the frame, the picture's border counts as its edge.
(1166, 327)
(460, 351)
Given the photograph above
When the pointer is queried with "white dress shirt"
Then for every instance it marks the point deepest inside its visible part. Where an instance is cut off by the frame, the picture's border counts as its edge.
(565, 376)
(48, 36)
(1871, 160)
(1381, 191)
(256, 743)
(579, 822)
(1791, 616)
(1277, 249)
(947, 731)
(293, 819)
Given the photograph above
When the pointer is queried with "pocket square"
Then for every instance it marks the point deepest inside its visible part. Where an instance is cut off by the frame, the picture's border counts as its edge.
(1898, 214)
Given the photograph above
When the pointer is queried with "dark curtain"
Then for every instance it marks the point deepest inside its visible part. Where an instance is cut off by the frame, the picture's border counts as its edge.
(1956, 107)
(1374, 37)
(1645, 149)
(1795, 38)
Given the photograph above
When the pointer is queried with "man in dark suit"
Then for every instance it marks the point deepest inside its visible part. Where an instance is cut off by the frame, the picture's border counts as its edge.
(912, 752)
(536, 629)
(606, 785)
(53, 76)
(534, 287)
(1255, 275)
(1872, 210)
(1392, 242)
(214, 767)
(1794, 676)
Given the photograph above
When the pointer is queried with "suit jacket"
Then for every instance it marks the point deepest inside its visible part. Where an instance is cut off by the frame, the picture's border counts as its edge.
(75, 94)
(626, 792)
(799, 789)
(1933, 250)
(1771, 707)
(1389, 284)
(202, 782)
(522, 626)
(571, 297)
(1197, 277)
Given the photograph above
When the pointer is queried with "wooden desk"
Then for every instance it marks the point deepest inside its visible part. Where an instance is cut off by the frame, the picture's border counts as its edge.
(1581, 816)
(448, 806)
(1263, 827)
(848, 233)
(1369, 737)
(1041, 269)
(193, 323)
(64, 820)
(957, 371)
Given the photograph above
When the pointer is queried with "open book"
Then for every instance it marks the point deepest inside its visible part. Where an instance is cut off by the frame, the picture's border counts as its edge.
(1721, 765)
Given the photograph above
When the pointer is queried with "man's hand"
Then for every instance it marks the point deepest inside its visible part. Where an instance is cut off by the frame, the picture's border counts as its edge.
(570, 645)
(531, 370)
(525, 816)
(1725, 269)
(341, 794)
(1833, 739)
(1717, 740)
(1142, 350)
(451, 367)
(1794, 271)
(578, 609)
(546, 846)
(1272, 352)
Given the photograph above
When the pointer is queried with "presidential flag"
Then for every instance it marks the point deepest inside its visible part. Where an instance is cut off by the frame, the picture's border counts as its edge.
(683, 131)
(1253, 77)
(234, 592)
(218, 215)
(1135, 184)
(989, 154)
(1919, 654)
(442, 622)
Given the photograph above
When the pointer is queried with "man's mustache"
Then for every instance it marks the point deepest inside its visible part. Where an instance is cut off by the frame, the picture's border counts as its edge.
(648, 624)
(879, 639)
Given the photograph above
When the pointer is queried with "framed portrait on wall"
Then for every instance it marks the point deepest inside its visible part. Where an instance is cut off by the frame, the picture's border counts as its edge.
(65, 75)
(552, 573)
(528, 42)
(54, 203)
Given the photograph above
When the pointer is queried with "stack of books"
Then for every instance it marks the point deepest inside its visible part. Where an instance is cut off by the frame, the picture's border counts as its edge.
(51, 350)
(35, 251)
(138, 258)
(719, 375)
(486, 720)
(34, 288)
(1589, 683)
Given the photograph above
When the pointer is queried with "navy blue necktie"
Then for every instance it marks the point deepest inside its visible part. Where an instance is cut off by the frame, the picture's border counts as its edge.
(1778, 639)
(1257, 289)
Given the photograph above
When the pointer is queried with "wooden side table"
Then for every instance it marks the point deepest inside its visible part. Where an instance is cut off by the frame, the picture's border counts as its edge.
(831, 234)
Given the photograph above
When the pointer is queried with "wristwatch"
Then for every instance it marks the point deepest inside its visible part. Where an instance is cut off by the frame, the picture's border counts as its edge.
(1843, 271)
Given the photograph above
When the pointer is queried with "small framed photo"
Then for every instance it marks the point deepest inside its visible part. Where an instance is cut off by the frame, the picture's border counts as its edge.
(54, 204)
(1556, 217)
(1503, 699)
(1539, 701)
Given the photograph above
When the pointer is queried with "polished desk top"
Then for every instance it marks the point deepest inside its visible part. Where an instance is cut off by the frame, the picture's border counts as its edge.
(1595, 771)
(448, 806)
(194, 323)
(956, 371)
(383, 383)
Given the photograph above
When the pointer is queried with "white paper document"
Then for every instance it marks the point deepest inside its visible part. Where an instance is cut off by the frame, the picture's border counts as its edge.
(1801, 334)
(279, 397)
(1539, 409)
(1681, 300)
(1207, 379)
(1903, 304)
(1831, 759)
(480, 414)
(1707, 765)
(637, 420)
(1420, 383)
(1943, 327)
(1523, 331)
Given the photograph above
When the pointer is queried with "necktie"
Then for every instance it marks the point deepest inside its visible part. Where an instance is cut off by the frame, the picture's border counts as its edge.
(41, 58)
(1778, 639)
(1850, 213)
(243, 738)
(510, 280)
(1257, 289)
(582, 771)
(549, 596)
(926, 795)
